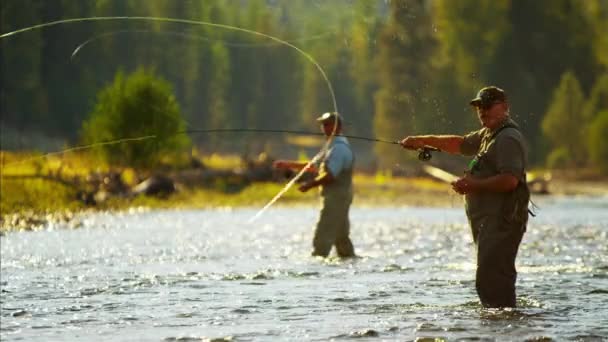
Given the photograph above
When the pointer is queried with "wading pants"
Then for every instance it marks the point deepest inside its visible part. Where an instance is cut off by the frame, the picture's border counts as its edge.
(497, 243)
(333, 226)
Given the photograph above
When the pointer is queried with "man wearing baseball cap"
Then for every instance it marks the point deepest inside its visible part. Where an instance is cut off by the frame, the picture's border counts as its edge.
(495, 190)
(335, 175)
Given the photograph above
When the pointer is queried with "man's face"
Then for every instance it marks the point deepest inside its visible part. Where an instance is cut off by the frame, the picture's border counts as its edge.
(493, 114)
(328, 127)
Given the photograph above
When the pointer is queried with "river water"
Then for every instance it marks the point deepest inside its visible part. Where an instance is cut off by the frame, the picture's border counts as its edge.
(209, 274)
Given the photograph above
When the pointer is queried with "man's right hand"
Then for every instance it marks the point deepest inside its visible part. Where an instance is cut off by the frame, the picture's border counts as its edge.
(412, 143)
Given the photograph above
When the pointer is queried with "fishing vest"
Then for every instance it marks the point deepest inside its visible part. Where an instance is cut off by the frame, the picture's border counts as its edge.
(512, 205)
(343, 182)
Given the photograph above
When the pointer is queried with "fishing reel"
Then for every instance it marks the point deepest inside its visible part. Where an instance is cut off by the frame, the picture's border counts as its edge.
(424, 153)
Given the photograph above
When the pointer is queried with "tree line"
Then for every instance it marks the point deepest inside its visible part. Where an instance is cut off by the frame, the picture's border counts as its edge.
(395, 67)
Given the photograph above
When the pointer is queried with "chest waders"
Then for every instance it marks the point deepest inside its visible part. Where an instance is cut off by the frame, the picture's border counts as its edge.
(333, 225)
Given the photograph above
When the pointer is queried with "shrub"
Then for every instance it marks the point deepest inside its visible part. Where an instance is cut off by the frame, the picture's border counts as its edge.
(140, 105)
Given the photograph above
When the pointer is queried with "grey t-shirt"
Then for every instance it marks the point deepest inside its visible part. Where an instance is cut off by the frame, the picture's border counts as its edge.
(498, 151)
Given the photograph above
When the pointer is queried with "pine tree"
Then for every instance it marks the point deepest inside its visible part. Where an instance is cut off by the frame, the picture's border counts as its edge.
(560, 123)
(22, 95)
(597, 143)
(405, 48)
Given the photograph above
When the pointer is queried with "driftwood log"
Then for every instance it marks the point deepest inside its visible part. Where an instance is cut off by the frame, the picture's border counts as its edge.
(156, 185)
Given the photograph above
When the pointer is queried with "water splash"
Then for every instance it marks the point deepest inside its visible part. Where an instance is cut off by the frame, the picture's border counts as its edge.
(81, 147)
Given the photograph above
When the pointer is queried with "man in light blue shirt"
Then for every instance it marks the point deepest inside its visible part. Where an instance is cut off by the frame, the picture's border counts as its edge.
(335, 179)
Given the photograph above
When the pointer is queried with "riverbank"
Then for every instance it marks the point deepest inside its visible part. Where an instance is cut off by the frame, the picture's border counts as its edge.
(370, 191)
(33, 204)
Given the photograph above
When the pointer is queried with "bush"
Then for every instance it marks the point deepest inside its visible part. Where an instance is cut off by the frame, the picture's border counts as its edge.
(140, 105)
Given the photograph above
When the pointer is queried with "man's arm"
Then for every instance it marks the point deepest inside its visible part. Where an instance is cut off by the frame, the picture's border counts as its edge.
(323, 179)
(447, 143)
(293, 165)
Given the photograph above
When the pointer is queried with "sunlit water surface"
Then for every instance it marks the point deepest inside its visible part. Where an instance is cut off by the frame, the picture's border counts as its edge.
(208, 274)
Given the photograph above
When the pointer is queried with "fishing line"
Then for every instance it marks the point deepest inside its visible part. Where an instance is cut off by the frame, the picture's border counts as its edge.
(261, 130)
(182, 21)
(82, 147)
(203, 23)
(196, 37)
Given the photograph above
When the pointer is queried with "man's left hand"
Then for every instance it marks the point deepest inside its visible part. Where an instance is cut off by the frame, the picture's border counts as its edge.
(465, 185)
(305, 187)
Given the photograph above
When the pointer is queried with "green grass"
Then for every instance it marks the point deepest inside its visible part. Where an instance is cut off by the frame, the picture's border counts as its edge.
(35, 195)
(18, 195)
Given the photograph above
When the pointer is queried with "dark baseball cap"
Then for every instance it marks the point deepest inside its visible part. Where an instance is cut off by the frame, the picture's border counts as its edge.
(489, 95)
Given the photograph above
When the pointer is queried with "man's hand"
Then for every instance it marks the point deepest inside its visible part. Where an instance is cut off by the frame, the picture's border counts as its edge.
(281, 164)
(305, 187)
(503, 182)
(323, 179)
(293, 165)
(465, 185)
(412, 143)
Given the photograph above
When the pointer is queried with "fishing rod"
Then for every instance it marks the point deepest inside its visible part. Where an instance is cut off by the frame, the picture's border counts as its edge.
(424, 153)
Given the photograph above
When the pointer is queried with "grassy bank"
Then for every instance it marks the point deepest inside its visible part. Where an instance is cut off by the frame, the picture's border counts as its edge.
(27, 203)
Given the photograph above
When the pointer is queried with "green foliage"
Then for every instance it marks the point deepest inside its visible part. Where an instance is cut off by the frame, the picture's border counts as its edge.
(564, 123)
(598, 100)
(38, 195)
(362, 70)
(396, 67)
(559, 158)
(464, 26)
(139, 105)
(22, 100)
(597, 142)
(405, 50)
(522, 66)
(597, 13)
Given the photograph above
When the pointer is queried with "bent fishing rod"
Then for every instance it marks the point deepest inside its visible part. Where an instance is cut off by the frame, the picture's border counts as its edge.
(424, 153)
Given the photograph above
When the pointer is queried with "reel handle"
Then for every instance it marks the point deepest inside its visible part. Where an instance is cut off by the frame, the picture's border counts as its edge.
(424, 153)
